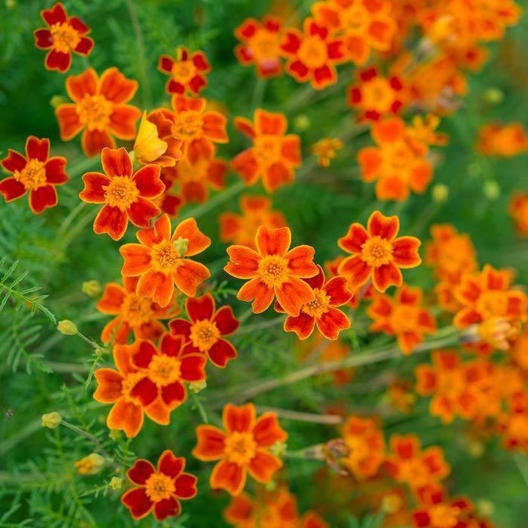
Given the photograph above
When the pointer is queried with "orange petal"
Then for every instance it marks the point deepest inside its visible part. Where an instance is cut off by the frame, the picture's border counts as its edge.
(241, 419)
(263, 465)
(228, 476)
(211, 443)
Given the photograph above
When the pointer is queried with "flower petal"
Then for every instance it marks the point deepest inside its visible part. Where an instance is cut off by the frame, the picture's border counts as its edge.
(263, 465)
(229, 476)
(111, 220)
(243, 263)
(211, 443)
(257, 291)
(267, 430)
(221, 352)
(197, 241)
(273, 241)
(137, 501)
(166, 508)
(169, 464)
(116, 162)
(241, 419)
(200, 307)
(292, 294)
(115, 87)
(386, 227)
(188, 276)
(225, 320)
(42, 197)
(140, 471)
(126, 416)
(185, 485)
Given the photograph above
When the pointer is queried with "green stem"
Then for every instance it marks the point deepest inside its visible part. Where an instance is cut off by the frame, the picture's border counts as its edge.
(287, 414)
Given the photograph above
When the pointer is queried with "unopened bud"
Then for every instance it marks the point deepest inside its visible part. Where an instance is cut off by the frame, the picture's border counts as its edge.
(278, 449)
(51, 420)
(90, 465)
(493, 96)
(116, 483)
(57, 100)
(67, 327)
(92, 288)
(440, 193)
(491, 189)
(301, 122)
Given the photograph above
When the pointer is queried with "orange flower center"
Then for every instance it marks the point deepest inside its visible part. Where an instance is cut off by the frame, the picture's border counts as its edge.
(94, 112)
(195, 172)
(159, 487)
(187, 125)
(414, 472)
(404, 318)
(121, 192)
(136, 310)
(399, 157)
(312, 52)
(164, 369)
(264, 45)
(377, 95)
(65, 38)
(359, 449)
(267, 148)
(318, 306)
(204, 334)
(491, 303)
(165, 256)
(183, 71)
(33, 175)
(240, 448)
(376, 252)
(443, 516)
(273, 270)
(354, 19)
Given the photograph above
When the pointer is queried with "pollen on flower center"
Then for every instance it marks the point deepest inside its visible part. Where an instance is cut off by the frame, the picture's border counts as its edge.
(377, 94)
(443, 515)
(355, 20)
(376, 252)
(165, 256)
(404, 317)
(313, 52)
(121, 192)
(136, 310)
(159, 487)
(264, 46)
(204, 334)
(318, 306)
(33, 175)
(94, 112)
(65, 37)
(183, 71)
(491, 303)
(273, 270)
(240, 448)
(267, 148)
(164, 369)
(187, 124)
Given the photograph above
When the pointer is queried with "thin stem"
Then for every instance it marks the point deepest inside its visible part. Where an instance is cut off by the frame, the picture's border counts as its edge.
(287, 414)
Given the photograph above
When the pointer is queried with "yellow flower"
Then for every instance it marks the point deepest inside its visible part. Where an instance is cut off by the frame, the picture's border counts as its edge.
(51, 420)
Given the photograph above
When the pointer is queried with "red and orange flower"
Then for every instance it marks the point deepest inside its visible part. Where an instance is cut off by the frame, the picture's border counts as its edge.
(158, 490)
(126, 195)
(98, 109)
(63, 36)
(35, 172)
(244, 447)
(187, 71)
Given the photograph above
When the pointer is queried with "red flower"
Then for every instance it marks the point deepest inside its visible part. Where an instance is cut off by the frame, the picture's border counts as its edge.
(160, 488)
(243, 447)
(187, 72)
(98, 108)
(203, 333)
(36, 173)
(65, 34)
(127, 195)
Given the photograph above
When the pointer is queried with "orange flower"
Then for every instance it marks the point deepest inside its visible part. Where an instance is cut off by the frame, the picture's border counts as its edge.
(158, 489)
(402, 316)
(134, 313)
(241, 229)
(243, 447)
(376, 253)
(415, 467)
(126, 195)
(518, 210)
(273, 156)
(98, 108)
(398, 164)
(273, 270)
(513, 423)
(187, 72)
(35, 172)
(325, 150)
(63, 36)
(322, 311)
(161, 260)
(203, 334)
(376, 96)
(260, 44)
(508, 140)
(366, 447)
(313, 54)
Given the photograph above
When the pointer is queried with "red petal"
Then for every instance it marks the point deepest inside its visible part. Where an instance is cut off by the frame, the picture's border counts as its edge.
(142, 353)
(211, 443)
(78, 86)
(140, 471)
(267, 430)
(269, 123)
(240, 419)
(54, 15)
(111, 220)
(263, 465)
(57, 60)
(336, 289)
(292, 294)
(185, 486)
(69, 123)
(137, 501)
(405, 252)
(55, 170)
(385, 276)
(166, 508)
(142, 211)
(353, 241)
(41, 198)
(94, 187)
(14, 161)
(200, 307)
(85, 46)
(115, 87)
(192, 367)
(11, 189)
(170, 465)
(145, 391)
(386, 227)
(43, 38)
(221, 352)
(332, 322)
(148, 182)
(355, 270)
(180, 327)
(173, 394)
(225, 320)
(93, 141)
(303, 325)
(37, 148)
(116, 162)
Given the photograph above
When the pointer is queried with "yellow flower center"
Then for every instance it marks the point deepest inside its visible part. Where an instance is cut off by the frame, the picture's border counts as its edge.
(376, 251)
(443, 516)
(491, 303)
(121, 192)
(313, 52)
(273, 270)
(414, 472)
(136, 310)
(187, 125)
(318, 306)
(33, 175)
(240, 448)
(403, 318)
(399, 157)
(267, 148)
(358, 449)
(355, 20)
(195, 172)
(165, 256)
(183, 71)
(94, 112)
(164, 370)
(377, 95)
(264, 45)
(65, 38)
(204, 334)
(159, 487)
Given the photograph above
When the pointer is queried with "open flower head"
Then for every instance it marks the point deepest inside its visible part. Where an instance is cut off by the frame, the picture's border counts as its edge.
(63, 36)
(186, 70)
(376, 252)
(273, 270)
(242, 447)
(35, 173)
(158, 489)
(126, 195)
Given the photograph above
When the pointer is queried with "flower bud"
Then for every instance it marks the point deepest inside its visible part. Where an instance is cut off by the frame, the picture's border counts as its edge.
(92, 288)
(90, 465)
(51, 420)
(67, 327)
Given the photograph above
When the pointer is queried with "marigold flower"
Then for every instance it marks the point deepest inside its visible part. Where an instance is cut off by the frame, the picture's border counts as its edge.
(187, 71)
(126, 195)
(203, 333)
(260, 45)
(402, 316)
(161, 261)
(51, 420)
(513, 423)
(134, 313)
(376, 253)
(273, 156)
(325, 150)
(63, 36)
(506, 140)
(35, 172)
(243, 447)
(518, 210)
(241, 229)
(98, 109)
(158, 489)
(274, 270)
(313, 54)
(322, 311)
